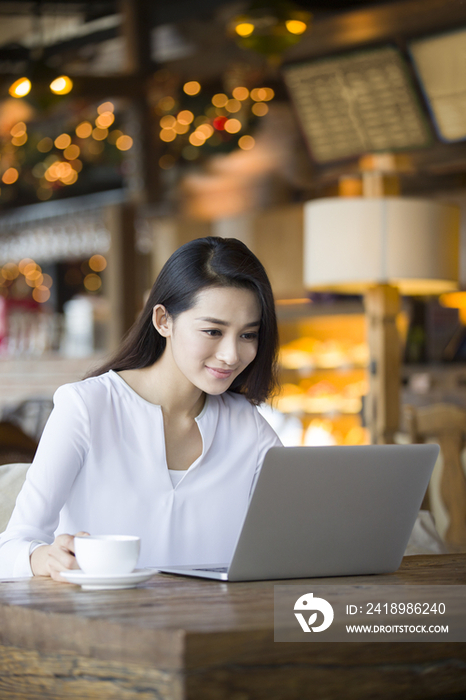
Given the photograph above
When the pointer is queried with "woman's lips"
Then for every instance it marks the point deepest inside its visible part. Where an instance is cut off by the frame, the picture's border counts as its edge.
(220, 373)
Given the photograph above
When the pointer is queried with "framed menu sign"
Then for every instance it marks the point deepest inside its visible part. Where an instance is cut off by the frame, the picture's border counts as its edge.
(357, 103)
(440, 62)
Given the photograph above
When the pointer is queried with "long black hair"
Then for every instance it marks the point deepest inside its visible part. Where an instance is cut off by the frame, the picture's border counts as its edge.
(197, 265)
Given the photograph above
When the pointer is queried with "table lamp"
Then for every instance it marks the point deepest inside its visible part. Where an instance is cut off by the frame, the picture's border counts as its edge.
(381, 247)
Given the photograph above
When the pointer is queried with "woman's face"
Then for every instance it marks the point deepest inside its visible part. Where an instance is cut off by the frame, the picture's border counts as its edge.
(215, 340)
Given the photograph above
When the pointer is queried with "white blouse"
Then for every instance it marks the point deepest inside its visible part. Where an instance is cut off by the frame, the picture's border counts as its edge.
(100, 467)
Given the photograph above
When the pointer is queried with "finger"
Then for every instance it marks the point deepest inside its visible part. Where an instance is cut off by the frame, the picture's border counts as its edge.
(65, 541)
(56, 576)
(78, 534)
(61, 559)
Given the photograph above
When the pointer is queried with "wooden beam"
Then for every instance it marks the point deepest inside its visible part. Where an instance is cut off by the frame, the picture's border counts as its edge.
(378, 24)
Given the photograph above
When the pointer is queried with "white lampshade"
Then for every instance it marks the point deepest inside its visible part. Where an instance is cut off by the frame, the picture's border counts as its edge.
(350, 244)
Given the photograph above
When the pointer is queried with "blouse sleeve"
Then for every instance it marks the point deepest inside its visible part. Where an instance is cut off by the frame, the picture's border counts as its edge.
(60, 455)
(267, 438)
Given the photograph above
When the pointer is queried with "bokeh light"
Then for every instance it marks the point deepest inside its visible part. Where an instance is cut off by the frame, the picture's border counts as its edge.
(244, 29)
(124, 143)
(62, 141)
(20, 88)
(260, 109)
(168, 135)
(167, 161)
(105, 120)
(97, 263)
(72, 152)
(240, 93)
(61, 85)
(185, 116)
(84, 130)
(168, 121)
(219, 100)
(296, 26)
(45, 145)
(246, 142)
(233, 106)
(10, 176)
(92, 282)
(232, 126)
(192, 87)
(41, 294)
(99, 134)
(105, 107)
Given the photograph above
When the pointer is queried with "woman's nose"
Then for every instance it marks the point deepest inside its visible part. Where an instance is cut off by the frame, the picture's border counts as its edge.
(227, 351)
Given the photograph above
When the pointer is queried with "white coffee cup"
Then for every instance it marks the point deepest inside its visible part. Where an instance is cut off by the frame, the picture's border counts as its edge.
(107, 555)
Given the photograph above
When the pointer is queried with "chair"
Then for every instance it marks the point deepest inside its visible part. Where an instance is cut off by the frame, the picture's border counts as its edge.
(12, 477)
(15, 445)
(446, 424)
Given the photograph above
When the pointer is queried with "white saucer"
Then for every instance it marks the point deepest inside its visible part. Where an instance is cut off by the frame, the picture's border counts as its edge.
(91, 582)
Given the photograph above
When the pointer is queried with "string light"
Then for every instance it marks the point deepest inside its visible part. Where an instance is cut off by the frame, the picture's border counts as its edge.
(185, 116)
(168, 122)
(92, 282)
(20, 88)
(260, 109)
(45, 145)
(246, 142)
(233, 106)
(83, 130)
(19, 129)
(97, 263)
(72, 152)
(206, 130)
(166, 135)
(41, 294)
(62, 141)
(105, 120)
(105, 107)
(61, 85)
(124, 143)
(10, 176)
(99, 134)
(197, 139)
(296, 26)
(233, 126)
(244, 29)
(262, 94)
(166, 104)
(192, 87)
(219, 100)
(240, 93)
(167, 161)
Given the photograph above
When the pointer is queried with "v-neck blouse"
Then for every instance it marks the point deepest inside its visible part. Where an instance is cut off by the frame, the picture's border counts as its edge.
(100, 467)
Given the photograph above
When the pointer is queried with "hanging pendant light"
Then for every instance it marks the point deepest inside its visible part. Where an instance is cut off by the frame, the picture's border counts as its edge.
(270, 27)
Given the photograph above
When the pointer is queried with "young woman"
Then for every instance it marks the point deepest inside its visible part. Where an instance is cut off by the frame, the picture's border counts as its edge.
(165, 440)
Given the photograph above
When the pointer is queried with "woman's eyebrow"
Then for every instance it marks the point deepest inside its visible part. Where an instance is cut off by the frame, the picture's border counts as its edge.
(208, 319)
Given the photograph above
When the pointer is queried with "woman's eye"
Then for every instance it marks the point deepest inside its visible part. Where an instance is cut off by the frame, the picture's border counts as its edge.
(212, 332)
(250, 336)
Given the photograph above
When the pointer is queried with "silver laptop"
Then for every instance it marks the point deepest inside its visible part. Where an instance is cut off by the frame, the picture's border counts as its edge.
(327, 511)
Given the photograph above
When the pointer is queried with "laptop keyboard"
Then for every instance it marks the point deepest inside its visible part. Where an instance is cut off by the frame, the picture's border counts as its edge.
(220, 569)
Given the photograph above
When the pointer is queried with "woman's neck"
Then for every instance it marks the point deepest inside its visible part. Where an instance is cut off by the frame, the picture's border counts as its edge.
(163, 385)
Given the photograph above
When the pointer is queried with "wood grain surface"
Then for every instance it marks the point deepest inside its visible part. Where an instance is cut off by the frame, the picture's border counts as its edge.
(175, 638)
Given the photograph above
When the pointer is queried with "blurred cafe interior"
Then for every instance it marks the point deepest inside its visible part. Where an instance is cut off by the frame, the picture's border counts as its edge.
(328, 135)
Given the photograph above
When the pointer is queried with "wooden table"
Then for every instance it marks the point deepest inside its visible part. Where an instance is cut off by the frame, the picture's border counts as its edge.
(174, 639)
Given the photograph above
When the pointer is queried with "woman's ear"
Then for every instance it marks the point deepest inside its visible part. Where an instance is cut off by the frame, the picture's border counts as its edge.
(161, 320)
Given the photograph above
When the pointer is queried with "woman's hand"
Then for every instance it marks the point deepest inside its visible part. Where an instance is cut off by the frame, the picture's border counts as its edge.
(51, 559)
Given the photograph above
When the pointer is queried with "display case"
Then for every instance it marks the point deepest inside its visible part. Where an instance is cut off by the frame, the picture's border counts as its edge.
(324, 360)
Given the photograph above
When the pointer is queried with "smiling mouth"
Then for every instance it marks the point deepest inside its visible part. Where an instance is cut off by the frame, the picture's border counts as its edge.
(220, 373)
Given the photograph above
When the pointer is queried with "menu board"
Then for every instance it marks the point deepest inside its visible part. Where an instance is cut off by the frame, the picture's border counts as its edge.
(357, 103)
(441, 65)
